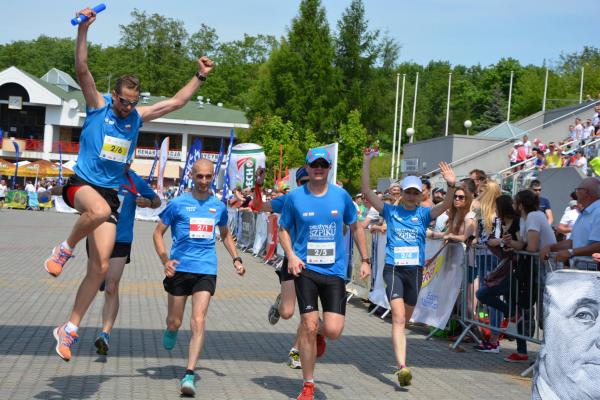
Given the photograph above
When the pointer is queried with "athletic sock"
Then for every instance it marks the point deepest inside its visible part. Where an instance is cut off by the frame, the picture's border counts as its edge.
(71, 328)
(189, 372)
(294, 349)
(309, 381)
(66, 246)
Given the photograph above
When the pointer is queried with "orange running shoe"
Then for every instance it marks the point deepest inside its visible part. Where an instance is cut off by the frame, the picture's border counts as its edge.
(55, 263)
(64, 341)
(308, 392)
(321, 345)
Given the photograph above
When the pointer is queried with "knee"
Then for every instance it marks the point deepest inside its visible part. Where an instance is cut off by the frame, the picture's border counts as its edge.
(332, 333)
(197, 323)
(99, 212)
(310, 327)
(286, 312)
(173, 323)
(111, 288)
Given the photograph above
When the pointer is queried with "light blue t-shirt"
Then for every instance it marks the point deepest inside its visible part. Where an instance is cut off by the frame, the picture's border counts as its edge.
(585, 230)
(406, 232)
(128, 206)
(316, 225)
(107, 144)
(193, 223)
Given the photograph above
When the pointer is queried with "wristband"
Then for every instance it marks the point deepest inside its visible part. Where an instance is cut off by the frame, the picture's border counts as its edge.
(366, 260)
(237, 259)
(201, 77)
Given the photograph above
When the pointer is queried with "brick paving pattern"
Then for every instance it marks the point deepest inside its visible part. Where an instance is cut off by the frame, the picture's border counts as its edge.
(244, 357)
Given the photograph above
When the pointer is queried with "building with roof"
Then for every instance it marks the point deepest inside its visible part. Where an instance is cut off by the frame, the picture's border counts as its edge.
(47, 113)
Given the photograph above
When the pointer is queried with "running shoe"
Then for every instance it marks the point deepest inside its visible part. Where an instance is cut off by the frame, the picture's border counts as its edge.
(274, 311)
(488, 347)
(517, 358)
(101, 343)
(308, 392)
(169, 339)
(64, 341)
(321, 345)
(404, 376)
(188, 388)
(294, 359)
(55, 263)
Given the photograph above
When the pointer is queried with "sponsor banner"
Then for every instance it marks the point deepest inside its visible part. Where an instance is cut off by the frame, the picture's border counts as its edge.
(172, 154)
(244, 160)
(16, 199)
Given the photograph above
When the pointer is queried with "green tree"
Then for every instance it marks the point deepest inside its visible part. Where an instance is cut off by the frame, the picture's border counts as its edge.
(494, 111)
(352, 142)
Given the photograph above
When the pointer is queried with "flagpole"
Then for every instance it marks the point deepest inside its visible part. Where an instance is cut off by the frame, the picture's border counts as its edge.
(448, 102)
(545, 91)
(393, 170)
(509, 96)
(412, 125)
(400, 126)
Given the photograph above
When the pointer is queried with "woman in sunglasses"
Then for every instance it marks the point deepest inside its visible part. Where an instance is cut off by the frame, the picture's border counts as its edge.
(407, 224)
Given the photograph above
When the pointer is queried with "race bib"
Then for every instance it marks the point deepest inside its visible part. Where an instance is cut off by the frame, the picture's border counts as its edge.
(320, 253)
(115, 149)
(406, 255)
(202, 228)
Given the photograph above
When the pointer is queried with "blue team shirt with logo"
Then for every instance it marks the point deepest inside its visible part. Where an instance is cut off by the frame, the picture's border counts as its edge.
(102, 156)
(405, 229)
(128, 206)
(319, 221)
(193, 223)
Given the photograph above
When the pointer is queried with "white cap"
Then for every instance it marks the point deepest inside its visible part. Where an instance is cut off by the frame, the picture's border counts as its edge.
(411, 181)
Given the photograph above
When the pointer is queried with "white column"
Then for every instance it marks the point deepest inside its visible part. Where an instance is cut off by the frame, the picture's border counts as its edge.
(184, 142)
(48, 138)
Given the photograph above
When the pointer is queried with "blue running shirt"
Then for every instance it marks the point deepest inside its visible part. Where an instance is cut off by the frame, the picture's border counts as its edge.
(107, 143)
(128, 206)
(315, 224)
(193, 223)
(406, 232)
(277, 204)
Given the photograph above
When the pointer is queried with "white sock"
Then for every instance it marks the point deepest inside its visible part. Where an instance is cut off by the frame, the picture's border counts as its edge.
(309, 381)
(293, 349)
(66, 246)
(71, 328)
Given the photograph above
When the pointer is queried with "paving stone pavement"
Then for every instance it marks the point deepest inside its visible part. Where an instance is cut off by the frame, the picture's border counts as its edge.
(244, 357)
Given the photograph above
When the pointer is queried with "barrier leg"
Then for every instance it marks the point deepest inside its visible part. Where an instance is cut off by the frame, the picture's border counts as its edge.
(373, 310)
(350, 295)
(432, 334)
(385, 314)
(528, 371)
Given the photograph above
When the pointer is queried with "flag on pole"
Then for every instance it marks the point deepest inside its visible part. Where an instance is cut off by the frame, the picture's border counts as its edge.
(14, 178)
(194, 153)
(151, 174)
(218, 166)
(60, 167)
(164, 155)
(280, 162)
(225, 187)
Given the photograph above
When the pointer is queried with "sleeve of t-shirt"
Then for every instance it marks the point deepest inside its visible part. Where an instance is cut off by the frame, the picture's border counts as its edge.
(595, 233)
(224, 215)
(565, 218)
(287, 218)
(277, 204)
(425, 215)
(386, 212)
(546, 203)
(143, 188)
(350, 215)
(167, 215)
(534, 222)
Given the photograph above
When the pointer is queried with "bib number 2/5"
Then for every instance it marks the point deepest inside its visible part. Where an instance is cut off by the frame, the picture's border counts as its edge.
(115, 149)
(320, 253)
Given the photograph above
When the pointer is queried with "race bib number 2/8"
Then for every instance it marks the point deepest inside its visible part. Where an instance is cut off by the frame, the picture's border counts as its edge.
(320, 253)
(115, 149)
(202, 228)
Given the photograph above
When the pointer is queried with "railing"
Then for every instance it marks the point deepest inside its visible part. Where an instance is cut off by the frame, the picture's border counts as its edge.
(508, 140)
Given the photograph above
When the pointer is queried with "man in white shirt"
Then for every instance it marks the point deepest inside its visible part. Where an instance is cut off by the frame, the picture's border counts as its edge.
(581, 162)
(578, 129)
(565, 226)
(29, 187)
(527, 145)
(589, 130)
(3, 190)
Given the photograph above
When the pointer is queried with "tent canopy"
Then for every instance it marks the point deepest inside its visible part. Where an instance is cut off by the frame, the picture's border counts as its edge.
(39, 168)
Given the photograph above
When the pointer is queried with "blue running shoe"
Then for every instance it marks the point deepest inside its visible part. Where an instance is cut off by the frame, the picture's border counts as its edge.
(101, 343)
(169, 339)
(188, 388)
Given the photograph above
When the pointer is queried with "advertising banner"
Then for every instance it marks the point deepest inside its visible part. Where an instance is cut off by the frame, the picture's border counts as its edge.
(245, 159)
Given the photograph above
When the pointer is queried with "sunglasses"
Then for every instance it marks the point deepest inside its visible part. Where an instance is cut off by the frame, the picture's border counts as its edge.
(459, 197)
(320, 163)
(126, 103)
(537, 190)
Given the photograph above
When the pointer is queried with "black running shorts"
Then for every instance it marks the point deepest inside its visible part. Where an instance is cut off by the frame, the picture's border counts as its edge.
(109, 195)
(187, 283)
(312, 286)
(284, 274)
(121, 249)
(401, 283)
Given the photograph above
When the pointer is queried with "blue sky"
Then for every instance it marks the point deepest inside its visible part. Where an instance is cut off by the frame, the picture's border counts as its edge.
(462, 31)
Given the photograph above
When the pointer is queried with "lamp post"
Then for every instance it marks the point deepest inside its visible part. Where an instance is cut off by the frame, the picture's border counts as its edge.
(467, 125)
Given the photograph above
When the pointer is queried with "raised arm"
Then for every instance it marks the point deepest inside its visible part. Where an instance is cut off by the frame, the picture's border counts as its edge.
(93, 98)
(375, 201)
(148, 113)
(448, 175)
